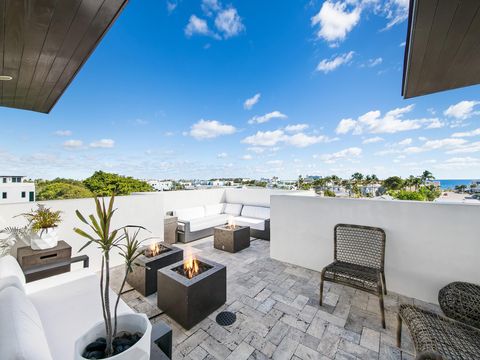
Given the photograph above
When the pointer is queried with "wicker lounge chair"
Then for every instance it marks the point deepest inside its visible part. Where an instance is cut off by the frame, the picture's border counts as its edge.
(438, 337)
(359, 257)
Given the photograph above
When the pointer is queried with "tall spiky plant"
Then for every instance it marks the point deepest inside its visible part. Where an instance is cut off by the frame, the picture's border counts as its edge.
(106, 240)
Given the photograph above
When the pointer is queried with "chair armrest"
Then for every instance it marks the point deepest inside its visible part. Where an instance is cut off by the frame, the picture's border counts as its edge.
(161, 347)
(58, 264)
(186, 223)
(169, 213)
(461, 301)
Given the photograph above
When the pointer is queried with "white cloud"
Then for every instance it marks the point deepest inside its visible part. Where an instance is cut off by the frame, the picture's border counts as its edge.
(349, 153)
(405, 142)
(466, 148)
(328, 65)
(63, 133)
(103, 143)
(229, 22)
(196, 26)
(459, 163)
(296, 128)
(272, 138)
(222, 155)
(209, 129)
(302, 140)
(374, 62)
(345, 126)
(396, 11)
(249, 103)
(171, 6)
(256, 149)
(210, 6)
(393, 122)
(267, 117)
(475, 132)
(402, 44)
(73, 144)
(265, 138)
(462, 110)
(275, 162)
(247, 157)
(435, 124)
(372, 140)
(335, 20)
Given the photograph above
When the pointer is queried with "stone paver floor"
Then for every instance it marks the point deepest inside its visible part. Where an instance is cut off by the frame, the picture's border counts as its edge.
(278, 314)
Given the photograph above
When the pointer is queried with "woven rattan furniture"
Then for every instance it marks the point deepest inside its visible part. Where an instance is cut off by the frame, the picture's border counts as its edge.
(461, 301)
(438, 337)
(359, 257)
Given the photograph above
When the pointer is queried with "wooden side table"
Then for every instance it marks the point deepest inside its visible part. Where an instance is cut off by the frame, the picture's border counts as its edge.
(28, 258)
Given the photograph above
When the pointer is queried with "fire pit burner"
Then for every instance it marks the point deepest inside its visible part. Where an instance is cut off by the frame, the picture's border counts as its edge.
(225, 318)
(190, 290)
(154, 257)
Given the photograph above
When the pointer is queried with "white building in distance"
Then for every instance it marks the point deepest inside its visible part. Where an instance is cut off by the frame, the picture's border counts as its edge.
(14, 190)
(161, 185)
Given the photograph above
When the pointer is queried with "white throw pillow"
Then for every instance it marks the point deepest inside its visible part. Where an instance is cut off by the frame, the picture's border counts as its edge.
(214, 209)
(21, 331)
(233, 209)
(9, 267)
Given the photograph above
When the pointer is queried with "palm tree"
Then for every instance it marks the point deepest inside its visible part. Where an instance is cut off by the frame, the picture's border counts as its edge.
(357, 177)
(427, 175)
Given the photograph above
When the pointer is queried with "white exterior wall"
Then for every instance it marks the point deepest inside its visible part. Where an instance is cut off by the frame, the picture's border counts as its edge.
(141, 210)
(428, 244)
(189, 198)
(260, 197)
(14, 192)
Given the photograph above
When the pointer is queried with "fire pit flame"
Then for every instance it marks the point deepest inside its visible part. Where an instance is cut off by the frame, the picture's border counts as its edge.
(231, 223)
(190, 267)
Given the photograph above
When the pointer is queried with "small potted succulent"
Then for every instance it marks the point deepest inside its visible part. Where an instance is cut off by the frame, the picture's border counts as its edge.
(117, 337)
(43, 223)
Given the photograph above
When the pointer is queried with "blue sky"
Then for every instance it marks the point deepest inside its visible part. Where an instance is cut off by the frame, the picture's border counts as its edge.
(204, 89)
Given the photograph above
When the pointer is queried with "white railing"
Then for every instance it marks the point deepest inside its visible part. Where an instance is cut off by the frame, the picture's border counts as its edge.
(428, 244)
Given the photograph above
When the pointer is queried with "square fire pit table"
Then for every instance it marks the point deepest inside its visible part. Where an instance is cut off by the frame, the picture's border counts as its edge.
(144, 277)
(189, 296)
(231, 238)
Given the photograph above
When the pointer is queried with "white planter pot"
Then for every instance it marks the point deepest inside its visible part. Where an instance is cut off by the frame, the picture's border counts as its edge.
(128, 322)
(44, 239)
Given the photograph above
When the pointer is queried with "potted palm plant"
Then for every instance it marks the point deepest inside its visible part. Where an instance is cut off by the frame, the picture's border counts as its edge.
(118, 337)
(43, 223)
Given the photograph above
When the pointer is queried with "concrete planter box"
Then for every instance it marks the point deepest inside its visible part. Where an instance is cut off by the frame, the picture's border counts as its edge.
(189, 301)
(231, 240)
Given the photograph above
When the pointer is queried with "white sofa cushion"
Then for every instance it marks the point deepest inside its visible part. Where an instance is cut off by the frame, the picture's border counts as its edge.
(69, 310)
(233, 209)
(214, 209)
(208, 222)
(190, 213)
(259, 212)
(11, 281)
(254, 223)
(22, 335)
(9, 267)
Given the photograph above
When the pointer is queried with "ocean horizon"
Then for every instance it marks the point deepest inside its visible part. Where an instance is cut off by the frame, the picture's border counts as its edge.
(451, 183)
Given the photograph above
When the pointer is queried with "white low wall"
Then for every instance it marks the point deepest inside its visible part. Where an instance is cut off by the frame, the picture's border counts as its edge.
(259, 197)
(189, 198)
(146, 211)
(428, 244)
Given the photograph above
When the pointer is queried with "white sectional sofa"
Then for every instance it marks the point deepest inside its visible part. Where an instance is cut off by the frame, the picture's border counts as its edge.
(41, 320)
(198, 222)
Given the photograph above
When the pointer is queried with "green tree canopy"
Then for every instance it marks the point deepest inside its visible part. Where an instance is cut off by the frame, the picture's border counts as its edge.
(59, 191)
(393, 183)
(105, 184)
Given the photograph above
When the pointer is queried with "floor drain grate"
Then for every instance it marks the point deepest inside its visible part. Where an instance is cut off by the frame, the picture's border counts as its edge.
(226, 318)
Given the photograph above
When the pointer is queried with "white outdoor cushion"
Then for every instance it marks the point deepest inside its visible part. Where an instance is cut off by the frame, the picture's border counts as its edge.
(254, 223)
(54, 281)
(10, 267)
(259, 212)
(11, 281)
(69, 310)
(21, 332)
(214, 209)
(233, 209)
(208, 222)
(190, 213)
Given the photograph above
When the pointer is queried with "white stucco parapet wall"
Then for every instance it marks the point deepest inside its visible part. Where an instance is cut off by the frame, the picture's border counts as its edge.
(428, 244)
